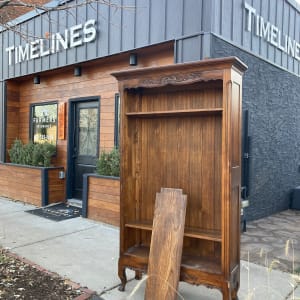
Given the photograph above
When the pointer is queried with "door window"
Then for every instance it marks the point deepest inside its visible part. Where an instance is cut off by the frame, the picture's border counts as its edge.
(88, 131)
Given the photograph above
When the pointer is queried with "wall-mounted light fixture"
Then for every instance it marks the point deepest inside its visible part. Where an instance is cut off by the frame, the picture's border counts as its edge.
(36, 79)
(77, 71)
(133, 60)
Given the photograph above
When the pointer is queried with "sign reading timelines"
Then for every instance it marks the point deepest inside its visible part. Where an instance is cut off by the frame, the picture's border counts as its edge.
(271, 33)
(75, 36)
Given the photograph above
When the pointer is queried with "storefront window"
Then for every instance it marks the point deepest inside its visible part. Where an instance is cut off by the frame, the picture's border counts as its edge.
(43, 123)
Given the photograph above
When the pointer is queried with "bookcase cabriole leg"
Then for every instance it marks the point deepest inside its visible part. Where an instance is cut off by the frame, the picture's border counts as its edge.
(226, 291)
(234, 295)
(229, 292)
(234, 292)
(138, 275)
(122, 276)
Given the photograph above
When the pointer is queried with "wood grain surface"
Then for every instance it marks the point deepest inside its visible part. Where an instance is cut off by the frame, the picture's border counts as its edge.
(166, 245)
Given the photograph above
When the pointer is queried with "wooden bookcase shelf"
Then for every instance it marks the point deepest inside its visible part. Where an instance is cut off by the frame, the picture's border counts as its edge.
(181, 130)
(191, 112)
(211, 235)
(194, 262)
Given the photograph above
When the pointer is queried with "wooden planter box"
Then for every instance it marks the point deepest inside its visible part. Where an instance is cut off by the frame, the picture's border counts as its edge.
(101, 198)
(34, 185)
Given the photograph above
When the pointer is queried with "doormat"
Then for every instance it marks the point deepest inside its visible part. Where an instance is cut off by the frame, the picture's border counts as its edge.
(57, 212)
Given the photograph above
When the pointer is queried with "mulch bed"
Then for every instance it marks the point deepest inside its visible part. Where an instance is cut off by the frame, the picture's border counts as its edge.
(21, 279)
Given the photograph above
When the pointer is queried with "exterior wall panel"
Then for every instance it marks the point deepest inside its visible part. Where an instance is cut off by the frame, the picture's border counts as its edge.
(103, 22)
(128, 19)
(128, 24)
(255, 42)
(2, 120)
(272, 19)
(122, 26)
(142, 29)
(184, 53)
(279, 21)
(157, 21)
(174, 19)
(192, 16)
(227, 18)
(8, 40)
(297, 37)
(65, 20)
(231, 19)
(115, 25)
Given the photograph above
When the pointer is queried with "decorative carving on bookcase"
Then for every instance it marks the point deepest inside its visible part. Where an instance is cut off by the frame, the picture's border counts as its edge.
(178, 79)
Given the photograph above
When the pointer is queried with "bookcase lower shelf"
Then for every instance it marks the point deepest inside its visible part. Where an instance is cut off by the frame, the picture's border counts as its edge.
(194, 269)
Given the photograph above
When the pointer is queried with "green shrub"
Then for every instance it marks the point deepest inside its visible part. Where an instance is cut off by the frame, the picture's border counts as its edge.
(108, 163)
(31, 154)
(16, 152)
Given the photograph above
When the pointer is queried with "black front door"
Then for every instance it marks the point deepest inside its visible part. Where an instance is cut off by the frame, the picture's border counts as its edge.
(85, 143)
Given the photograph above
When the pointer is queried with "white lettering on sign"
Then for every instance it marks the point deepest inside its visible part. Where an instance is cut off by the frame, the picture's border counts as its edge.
(271, 33)
(75, 36)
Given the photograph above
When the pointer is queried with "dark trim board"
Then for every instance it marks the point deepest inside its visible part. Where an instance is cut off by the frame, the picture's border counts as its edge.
(117, 120)
(45, 192)
(85, 195)
(4, 121)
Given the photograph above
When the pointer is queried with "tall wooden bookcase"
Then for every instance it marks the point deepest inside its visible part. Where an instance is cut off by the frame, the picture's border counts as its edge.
(181, 128)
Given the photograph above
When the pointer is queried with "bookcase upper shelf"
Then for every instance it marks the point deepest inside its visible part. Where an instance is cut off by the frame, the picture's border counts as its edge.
(185, 112)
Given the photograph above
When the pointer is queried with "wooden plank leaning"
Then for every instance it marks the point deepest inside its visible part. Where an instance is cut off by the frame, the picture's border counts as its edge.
(166, 245)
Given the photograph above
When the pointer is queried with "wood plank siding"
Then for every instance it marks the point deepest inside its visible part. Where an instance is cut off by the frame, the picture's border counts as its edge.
(33, 185)
(21, 183)
(103, 201)
(56, 186)
(61, 85)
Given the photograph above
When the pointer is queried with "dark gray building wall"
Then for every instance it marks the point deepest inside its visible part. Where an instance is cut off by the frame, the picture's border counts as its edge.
(2, 119)
(271, 96)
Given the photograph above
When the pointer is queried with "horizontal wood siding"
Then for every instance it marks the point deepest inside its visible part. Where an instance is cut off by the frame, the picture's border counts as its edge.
(62, 85)
(56, 186)
(21, 183)
(104, 200)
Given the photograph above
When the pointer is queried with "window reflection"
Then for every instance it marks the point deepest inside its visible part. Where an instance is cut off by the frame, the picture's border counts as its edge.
(88, 131)
(44, 123)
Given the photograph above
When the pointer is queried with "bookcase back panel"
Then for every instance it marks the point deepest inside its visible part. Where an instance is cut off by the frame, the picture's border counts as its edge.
(191, 97)
(198, 247)
(195, 144)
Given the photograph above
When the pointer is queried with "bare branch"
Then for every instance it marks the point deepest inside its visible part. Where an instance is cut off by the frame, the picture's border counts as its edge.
(4, 3)
(11, 9)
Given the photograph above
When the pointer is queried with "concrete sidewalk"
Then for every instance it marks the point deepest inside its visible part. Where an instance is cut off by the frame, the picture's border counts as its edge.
(87, 252)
